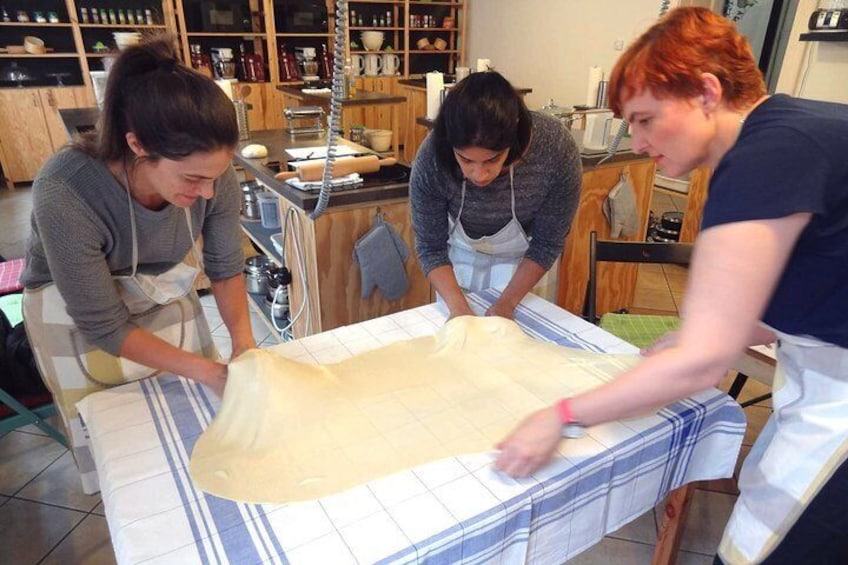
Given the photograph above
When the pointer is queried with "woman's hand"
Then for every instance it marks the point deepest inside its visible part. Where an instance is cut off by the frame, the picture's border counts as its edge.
(462, 309)
(502, 310)
(531, 444)
(665, 341)
(211, 373)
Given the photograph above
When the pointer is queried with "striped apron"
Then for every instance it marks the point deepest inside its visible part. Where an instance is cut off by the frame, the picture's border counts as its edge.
(801, 446)
(165, 305)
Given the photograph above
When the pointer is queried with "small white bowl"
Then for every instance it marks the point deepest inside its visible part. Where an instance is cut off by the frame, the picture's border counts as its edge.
(379, 140)
(124, 39)
(372, 40)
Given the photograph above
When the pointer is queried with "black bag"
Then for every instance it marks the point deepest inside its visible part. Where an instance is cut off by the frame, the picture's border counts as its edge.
(19, 374)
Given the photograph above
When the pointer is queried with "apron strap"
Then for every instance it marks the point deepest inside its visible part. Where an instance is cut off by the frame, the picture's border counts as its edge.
(197, 255)
(511, 197)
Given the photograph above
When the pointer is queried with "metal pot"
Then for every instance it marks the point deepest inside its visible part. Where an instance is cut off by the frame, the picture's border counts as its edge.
(249, 202)
(256, 274)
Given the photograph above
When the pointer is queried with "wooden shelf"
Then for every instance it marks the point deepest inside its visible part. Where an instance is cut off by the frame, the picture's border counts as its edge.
(400, 2)
(123, 26)
(428, 3)
(254, 34)
(43, 56)
(35, 24)
(432, 51)
(304, 35)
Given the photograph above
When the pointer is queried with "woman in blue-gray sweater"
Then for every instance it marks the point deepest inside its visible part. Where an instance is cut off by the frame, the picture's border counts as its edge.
(494, 188)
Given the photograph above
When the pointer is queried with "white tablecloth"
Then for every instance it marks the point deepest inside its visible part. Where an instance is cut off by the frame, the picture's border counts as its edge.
(453, 511)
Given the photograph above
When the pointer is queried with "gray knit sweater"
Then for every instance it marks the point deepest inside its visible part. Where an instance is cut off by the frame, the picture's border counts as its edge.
(547, 190)
(81, 236)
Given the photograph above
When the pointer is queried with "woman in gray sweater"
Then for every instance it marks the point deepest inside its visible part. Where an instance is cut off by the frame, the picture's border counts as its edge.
(108, 298)
(494, 189)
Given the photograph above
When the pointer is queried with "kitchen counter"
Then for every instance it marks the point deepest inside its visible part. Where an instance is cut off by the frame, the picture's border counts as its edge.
(278, 140)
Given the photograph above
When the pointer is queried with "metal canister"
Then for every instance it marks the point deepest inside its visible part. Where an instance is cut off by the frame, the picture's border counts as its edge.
(256, 274)
(249, 202)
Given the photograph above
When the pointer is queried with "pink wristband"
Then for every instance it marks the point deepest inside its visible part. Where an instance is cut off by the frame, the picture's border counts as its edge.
(564, 411)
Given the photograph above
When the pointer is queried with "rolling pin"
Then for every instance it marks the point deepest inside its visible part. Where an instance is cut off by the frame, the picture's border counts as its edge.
(341, 167)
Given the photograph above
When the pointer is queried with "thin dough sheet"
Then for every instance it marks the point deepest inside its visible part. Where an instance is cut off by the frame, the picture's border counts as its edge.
(288, 431)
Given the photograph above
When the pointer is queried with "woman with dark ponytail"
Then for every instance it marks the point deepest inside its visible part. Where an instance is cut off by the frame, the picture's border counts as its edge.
(108, 298)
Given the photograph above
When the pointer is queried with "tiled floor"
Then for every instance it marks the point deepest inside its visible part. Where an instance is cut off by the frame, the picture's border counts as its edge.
(45, 518)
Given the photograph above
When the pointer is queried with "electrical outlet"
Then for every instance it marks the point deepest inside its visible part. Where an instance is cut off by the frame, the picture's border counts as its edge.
(618, 45)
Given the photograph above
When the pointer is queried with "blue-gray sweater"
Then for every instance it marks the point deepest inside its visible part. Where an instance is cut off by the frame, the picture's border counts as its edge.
(547, 190)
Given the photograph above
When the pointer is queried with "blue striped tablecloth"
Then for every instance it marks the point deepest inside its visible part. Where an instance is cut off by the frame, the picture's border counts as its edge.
(456, 510)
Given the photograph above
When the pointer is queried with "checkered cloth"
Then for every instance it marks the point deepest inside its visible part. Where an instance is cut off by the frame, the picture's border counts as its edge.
(456, 510)
(10, 275)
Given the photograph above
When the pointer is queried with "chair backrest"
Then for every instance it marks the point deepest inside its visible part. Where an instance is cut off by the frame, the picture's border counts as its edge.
(627, 252)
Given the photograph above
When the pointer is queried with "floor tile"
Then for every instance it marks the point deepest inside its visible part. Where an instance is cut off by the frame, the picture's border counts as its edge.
(708, 514)
(22, 457)
(88, 543)
(643, 529)
(41, 525)
(611, 551)
(60, 485)
(99, 510)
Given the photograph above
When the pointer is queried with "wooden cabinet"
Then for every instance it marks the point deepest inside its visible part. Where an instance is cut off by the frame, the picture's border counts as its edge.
(334, 286)
(616, 281)
(30, 127)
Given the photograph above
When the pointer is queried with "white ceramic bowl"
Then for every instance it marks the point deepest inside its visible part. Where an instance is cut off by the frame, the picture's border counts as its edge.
(379, 139)
(124, 39)
(372, 40)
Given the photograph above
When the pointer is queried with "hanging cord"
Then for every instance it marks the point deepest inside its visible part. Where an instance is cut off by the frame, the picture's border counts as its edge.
(622, 127)
(336, 97)
(293, 226)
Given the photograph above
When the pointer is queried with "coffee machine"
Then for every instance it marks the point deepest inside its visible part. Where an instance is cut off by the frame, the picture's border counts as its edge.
(222, 63)
(307, 63)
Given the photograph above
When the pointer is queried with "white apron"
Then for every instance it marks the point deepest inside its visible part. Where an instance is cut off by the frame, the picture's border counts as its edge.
(72, 367)
(803, 443)
(491, 260)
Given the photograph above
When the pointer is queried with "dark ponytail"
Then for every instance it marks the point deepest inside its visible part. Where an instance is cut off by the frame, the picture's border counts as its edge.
(173, 110)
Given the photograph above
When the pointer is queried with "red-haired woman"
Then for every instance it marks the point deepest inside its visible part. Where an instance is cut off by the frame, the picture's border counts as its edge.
(770, 262)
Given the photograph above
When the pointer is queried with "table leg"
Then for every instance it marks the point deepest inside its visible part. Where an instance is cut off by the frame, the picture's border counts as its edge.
(672, 524)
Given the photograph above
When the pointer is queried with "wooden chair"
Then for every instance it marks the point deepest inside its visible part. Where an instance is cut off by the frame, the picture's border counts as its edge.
(641, 330)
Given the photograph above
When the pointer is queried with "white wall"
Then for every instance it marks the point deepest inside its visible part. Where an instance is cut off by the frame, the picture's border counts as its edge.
(549, 45)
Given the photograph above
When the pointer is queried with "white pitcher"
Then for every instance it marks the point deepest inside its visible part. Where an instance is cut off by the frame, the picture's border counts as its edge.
(373, 64)
(391, 64)
(358, 65)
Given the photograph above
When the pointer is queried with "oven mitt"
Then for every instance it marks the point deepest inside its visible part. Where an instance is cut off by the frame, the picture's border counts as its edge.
(620, 209)
(380, 254)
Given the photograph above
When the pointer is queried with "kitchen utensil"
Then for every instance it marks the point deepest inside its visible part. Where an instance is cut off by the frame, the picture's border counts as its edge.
(391, 64)
(124, 39)
(249, 203)
(373, 64)
(269, 209)
(357, 64)
(15, 73)
(314, 171)
(379, 139)
(256, 274)
(34, 45)
(15, 49)
(372, 40)
(672, 221)
(440, 44)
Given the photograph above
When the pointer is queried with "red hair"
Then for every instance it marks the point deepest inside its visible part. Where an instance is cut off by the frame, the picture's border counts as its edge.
(671, 56)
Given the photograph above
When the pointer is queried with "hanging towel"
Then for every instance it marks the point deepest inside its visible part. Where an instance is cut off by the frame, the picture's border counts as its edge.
(620, 209)
(380, 254)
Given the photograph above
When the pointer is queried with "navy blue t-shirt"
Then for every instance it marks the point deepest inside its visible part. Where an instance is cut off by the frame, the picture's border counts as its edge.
(792, 156)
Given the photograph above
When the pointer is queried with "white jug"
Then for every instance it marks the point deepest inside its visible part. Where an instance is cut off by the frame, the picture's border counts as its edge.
(373, 64)
(357, 64)
(391, 64)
